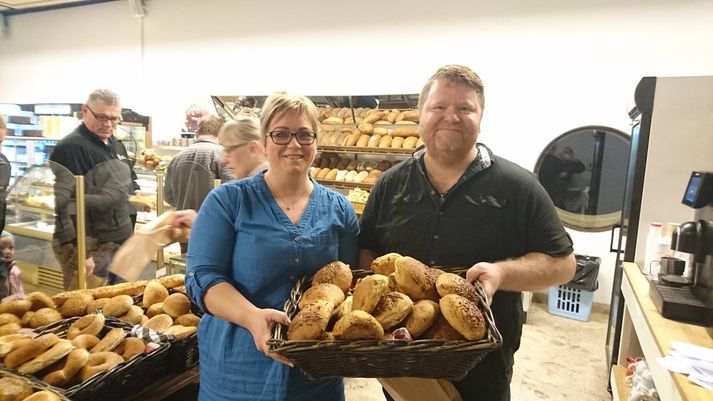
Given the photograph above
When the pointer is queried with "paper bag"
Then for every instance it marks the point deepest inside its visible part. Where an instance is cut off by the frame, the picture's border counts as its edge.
(136, 252)
(419, 389)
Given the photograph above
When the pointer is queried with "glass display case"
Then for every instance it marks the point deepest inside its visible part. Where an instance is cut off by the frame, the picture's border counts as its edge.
(25, 152)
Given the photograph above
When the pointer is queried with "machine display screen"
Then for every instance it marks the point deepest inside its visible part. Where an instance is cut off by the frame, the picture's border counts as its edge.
(699, 191)
(694, 185)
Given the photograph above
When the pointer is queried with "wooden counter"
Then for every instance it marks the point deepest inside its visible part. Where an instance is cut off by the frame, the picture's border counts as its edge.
(652, 335)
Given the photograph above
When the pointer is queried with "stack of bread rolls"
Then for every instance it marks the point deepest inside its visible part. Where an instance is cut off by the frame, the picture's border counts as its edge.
(89, 346)
(15, 388)
(332, 167)
(402, 292)
(375, 128)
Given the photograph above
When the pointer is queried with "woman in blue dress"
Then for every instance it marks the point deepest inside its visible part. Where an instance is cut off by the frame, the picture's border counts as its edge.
(251, 241)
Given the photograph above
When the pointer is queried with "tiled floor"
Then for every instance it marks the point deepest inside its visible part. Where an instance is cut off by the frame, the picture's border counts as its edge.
(559, 359)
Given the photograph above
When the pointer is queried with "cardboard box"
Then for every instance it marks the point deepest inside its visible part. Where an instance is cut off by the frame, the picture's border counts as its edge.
(419, 389)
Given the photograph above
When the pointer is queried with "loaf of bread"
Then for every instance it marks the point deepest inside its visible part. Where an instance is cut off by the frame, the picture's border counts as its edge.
(410, 116)
(332, 174)
(374, 141)
(381, 131)
(110, 340)
(404, 132)
(14, 389)
(385, 141)
(322, 292)
(361, 176)
(352, 139)
(58, 351)
(118, 305)
(366, 128)
(374, 116)
(398, 142)
(410, 142)
(29, 351)
(153, 293)
(363, 140)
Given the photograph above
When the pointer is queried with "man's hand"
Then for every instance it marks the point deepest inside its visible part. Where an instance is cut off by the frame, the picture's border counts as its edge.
(260, 326)
(183, 218)
(490, 276)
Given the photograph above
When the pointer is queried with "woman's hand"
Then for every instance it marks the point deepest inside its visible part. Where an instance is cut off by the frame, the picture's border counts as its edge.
(260, 325)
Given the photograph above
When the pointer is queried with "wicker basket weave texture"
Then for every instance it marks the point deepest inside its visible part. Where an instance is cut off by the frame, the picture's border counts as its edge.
(430, 358)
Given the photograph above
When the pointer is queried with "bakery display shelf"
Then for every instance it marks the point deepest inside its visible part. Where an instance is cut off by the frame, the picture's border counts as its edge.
(354, 126)
(365, 150)
(32, 138)
(344, 184)
(32, 230)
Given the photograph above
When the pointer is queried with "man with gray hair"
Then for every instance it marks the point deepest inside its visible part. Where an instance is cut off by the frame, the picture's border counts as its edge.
(90, 150)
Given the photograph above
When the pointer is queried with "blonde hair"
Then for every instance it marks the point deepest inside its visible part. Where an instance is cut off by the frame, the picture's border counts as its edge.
(458, 74)
(239, 131)
(209, 125)
(281, 102)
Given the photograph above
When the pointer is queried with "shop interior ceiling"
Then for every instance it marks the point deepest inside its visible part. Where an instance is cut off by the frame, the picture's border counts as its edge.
(10, 7)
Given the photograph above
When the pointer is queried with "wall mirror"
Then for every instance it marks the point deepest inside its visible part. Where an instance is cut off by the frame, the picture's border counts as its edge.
(584, 172)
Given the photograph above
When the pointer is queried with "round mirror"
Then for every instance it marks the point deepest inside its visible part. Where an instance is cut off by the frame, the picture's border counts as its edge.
(584, 172)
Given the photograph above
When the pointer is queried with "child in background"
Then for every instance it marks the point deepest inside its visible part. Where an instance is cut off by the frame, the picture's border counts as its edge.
(10, 283)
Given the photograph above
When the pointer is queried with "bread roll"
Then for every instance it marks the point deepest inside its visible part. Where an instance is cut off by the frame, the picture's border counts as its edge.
(464, 316)
(332, 174)
(374, 117)
(366, 128)
(154, 310)
(118, 305)
(351, 176)
(404, 132)
(410, 142)
(153, 293)
(449, 283)
(9, 328)
(40, 300)
(392, 309)
(361, 176)
(29, 351)
(358, 325)
(6, 318)
(419, 142)
(44, 317)
(76, 305)
(406, 122)
(11, 342)
(352, 139)
(363, 141)
(133, 316)
(176, 304)
(322, 292)
(380, 131)
(89, 324)
(323, 173)
(85, 341)
(337, 273)
(368, 291)
(422, 317)
(180, 331)
(98, 363)
(385, 141)
(410, 116)
(17, 307)
(188, 319)
(109, 341)
(71, 366)
(382, 122)
(397, 143)
(374, 141)
(14, 388)
(130, 347)
(442, 330)
(333, 120)
(414, 280)
(341, 175)
(58, 351)
(391, 116)
(96, 304)
(385, 264)
(43, 395)
(343, 308)
(159, 322)
(310, 323)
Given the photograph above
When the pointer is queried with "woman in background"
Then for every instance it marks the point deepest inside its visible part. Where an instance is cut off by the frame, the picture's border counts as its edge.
(243, 151)
(252, 240)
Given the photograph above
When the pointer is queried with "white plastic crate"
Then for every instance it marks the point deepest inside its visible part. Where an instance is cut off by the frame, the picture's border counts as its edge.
(570, 302)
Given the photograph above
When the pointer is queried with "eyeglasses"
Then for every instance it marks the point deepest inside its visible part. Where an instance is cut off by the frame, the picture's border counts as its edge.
(104, 118)
(285, 137)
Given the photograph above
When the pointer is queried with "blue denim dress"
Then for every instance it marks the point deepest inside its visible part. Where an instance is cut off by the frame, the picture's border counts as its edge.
(242, 237)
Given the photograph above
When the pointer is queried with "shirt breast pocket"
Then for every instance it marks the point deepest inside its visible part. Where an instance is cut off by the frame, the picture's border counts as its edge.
(487, 213)
(325, 244)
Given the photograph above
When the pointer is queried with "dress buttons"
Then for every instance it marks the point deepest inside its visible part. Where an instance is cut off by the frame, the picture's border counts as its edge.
(297, 238)
(190, 274)
(433, 192)
(297, 260)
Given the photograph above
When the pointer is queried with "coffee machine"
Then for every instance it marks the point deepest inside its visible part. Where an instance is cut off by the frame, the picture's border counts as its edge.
(691, 299)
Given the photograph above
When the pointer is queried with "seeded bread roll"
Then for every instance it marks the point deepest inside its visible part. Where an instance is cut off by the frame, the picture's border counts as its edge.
(343, 308)
(449, 283)
(310, 323)
(414, 279)
(76, 305)
(422, 317)
(322, 292)
(442, 330)
(358, 325)
(385, 264)
(392, 309)
(337, 273)
(44, 317)
(368, 292)
(464, 316)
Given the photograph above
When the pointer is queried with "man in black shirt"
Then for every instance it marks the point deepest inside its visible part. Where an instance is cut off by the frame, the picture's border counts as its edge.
(90, 151)
(454, 203)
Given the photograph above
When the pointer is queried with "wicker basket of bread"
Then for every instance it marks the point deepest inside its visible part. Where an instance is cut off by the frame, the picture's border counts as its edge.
(402, 319)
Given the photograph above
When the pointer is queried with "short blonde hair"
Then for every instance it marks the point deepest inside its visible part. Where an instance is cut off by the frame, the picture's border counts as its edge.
(209, 125)
(458, 74)
(280, 102)
(239, 131)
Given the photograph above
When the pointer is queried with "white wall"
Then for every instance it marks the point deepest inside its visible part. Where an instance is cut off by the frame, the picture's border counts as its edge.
(548, 66)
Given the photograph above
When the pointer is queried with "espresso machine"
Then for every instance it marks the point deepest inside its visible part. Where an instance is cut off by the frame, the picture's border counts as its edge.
(690, 298)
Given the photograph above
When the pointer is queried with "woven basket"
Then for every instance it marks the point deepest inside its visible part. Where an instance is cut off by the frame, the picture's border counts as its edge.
(123, 380)
(438, 359)
(36, 384)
